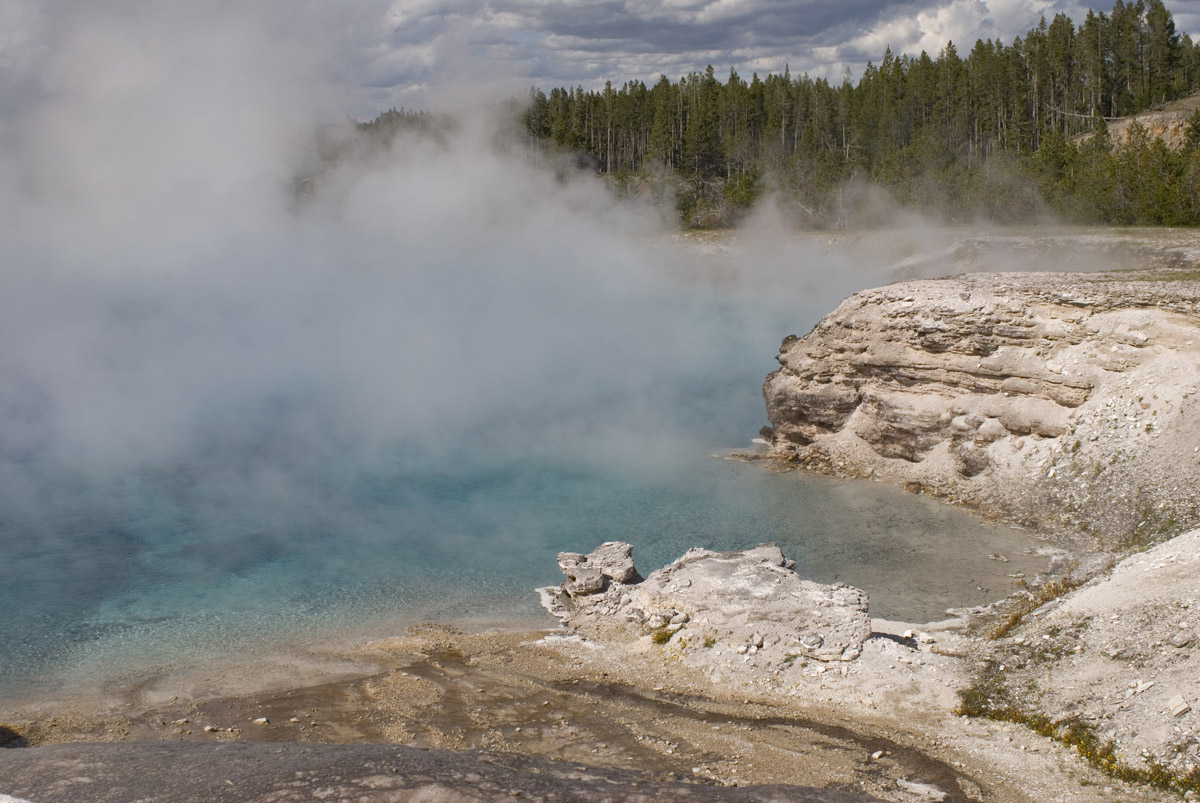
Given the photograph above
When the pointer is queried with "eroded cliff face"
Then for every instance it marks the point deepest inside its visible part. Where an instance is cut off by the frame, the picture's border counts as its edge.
(1171, 127)
(1061, 401)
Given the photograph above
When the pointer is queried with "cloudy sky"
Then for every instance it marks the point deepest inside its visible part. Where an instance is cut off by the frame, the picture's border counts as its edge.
(375, 54)
(554, 43)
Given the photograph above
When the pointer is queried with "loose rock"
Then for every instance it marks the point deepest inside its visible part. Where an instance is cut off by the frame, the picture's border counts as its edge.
(924, 790)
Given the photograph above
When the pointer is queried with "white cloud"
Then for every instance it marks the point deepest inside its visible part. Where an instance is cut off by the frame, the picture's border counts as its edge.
(567, 43)
(386, 53)
(960, 21)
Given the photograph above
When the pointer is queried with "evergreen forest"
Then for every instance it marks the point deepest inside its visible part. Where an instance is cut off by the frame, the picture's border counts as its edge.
(1007, 132)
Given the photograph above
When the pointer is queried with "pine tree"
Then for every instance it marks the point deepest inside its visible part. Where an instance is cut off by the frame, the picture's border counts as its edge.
(944, 129)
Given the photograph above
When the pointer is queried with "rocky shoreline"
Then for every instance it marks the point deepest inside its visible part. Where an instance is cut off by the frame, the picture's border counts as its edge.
(720, 676)
(1065, 403)
(1069, 404)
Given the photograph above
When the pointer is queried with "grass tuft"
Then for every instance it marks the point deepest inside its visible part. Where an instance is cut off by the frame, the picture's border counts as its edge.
(1040, 596)
(989, 699)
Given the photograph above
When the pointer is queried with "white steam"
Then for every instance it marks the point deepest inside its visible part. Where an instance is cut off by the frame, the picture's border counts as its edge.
(168, 304)
(165, 298)
(451, 356)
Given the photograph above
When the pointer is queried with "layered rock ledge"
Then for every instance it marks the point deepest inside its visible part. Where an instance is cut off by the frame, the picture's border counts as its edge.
(1060, 401)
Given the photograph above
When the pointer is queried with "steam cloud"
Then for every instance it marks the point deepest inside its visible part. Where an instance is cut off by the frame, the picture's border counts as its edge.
(202, 372)
(159, 281)
(279, 374)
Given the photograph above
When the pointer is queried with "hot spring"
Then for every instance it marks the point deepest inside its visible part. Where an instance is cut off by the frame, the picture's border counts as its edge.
(324, 435)
(234, 416)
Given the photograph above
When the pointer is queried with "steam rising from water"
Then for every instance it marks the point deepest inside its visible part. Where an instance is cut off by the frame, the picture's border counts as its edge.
(165, 296)
(451, 356)
(210, 387)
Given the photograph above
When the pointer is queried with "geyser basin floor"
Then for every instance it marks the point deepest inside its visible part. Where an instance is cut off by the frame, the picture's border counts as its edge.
(637, 709)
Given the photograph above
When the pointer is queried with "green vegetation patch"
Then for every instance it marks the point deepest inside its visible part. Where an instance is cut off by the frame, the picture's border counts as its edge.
(988, 699)
(661, 636)
(1026, 605)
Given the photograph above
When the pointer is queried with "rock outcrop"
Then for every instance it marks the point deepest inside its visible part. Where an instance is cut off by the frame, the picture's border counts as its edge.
(1169, 125)
(611, 562)
(1060, 401)
(749, 606)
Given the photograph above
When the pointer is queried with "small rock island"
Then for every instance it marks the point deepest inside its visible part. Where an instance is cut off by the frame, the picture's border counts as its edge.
(716, 607)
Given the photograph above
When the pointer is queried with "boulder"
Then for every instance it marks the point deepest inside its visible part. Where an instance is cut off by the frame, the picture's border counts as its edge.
(611, 562)
(614, 560)
(583, 580)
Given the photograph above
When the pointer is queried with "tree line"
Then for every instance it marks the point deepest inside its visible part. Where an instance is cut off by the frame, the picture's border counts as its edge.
(1000, 132)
